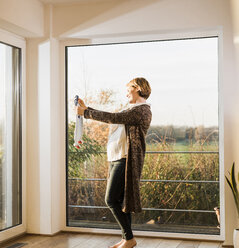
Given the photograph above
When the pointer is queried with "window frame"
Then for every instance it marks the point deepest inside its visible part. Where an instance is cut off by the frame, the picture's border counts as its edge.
(20, 43)
(191, 34)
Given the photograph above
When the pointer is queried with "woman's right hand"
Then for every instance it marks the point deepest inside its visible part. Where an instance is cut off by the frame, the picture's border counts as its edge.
(82, 104)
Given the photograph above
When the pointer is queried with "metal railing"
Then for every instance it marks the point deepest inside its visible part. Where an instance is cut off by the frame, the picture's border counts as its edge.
(154, 180)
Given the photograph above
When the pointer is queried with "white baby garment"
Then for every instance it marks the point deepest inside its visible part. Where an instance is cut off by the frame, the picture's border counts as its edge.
(78, 133)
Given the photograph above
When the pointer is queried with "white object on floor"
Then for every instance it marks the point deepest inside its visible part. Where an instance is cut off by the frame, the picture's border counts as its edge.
(236, 238)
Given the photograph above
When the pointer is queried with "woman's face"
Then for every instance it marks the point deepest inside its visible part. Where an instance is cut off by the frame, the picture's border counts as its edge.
(132, 93)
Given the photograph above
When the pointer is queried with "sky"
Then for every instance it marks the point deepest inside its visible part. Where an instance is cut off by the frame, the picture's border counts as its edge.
(183, 75)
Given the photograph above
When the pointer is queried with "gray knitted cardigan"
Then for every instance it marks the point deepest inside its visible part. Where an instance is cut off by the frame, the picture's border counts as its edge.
(137, 121)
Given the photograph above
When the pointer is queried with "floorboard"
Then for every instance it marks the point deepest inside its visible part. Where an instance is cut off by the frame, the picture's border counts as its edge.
(79, 240)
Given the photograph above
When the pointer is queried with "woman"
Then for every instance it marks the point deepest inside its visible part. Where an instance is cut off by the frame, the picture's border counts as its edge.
(125, 151)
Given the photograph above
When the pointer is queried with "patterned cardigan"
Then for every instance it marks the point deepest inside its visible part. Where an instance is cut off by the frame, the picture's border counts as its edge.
(137, 121)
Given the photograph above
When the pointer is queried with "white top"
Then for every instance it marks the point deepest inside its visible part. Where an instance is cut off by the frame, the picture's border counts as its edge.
(117, 143)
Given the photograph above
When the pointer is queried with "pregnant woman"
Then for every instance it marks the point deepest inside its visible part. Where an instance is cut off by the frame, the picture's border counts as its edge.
(125, 152)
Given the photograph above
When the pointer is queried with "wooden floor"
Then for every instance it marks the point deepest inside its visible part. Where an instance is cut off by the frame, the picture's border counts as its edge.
(76, 240)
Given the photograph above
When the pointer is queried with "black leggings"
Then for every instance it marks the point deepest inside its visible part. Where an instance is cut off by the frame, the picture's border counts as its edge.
(115, 194)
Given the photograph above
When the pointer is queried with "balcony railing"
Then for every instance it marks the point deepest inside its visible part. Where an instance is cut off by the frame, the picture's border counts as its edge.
(154, 180)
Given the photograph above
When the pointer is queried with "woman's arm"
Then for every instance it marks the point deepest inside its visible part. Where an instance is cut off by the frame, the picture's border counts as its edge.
(132, 116)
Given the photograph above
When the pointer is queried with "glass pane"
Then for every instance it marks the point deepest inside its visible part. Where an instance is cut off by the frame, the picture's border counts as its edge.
(10, 163)
(180, 178)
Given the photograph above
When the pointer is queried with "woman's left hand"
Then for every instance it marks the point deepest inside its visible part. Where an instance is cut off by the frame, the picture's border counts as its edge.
(80, 109)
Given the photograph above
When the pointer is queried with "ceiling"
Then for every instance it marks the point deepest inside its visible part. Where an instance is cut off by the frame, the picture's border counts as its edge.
(74, 1)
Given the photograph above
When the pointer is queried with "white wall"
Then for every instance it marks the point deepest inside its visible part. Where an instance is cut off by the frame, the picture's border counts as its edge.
(235, 18)
(44, 195)
(102, 21)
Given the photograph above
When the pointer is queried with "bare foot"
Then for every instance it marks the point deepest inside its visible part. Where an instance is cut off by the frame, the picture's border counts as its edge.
(128, 243)
(118, 244)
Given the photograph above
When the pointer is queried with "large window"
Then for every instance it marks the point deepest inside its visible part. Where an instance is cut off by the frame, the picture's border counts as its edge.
(180, 179)
(10, 137)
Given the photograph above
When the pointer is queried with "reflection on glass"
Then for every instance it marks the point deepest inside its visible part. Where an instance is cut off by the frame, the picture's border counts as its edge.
(180, 179)
(10, 166)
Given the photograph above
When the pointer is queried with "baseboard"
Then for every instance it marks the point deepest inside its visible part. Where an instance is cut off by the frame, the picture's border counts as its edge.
(48, 235)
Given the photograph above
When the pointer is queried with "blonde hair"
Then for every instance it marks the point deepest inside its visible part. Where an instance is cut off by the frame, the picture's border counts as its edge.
(143, 85)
